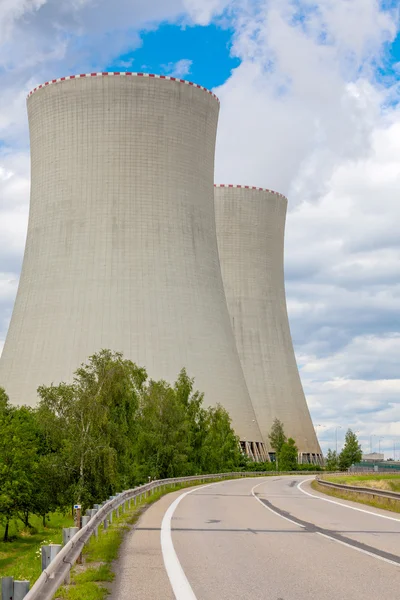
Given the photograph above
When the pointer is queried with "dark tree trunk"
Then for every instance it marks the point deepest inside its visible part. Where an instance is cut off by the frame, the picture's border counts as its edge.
(44, 519)
(26, 518)
(5, 538)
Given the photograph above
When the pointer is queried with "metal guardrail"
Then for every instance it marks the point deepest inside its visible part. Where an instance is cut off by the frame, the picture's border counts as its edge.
(54, 576)
(359, 489)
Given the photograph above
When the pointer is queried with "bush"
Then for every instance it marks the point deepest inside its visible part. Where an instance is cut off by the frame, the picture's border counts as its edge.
(308, 467)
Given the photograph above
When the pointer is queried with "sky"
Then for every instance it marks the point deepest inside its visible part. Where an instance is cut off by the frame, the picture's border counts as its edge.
(310, 107)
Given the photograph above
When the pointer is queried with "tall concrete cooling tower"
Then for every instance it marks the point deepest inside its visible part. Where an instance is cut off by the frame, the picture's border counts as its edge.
(250, 232)
(121, 250)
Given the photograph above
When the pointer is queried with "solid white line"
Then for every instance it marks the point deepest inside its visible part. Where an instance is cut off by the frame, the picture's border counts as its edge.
(271, 510)
(387, 560)
(368, 512)
(179, 582)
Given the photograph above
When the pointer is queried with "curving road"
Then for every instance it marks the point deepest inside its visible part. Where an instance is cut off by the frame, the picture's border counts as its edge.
(273, 539)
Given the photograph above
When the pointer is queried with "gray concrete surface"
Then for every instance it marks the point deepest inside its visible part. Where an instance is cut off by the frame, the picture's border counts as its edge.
(121, 250)
(231, 547)
(250, 225)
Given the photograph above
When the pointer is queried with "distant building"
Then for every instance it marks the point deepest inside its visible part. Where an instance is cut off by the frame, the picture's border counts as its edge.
(373, 456)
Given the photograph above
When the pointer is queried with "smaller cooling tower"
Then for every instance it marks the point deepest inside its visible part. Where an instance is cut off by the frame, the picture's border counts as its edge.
(250, 231)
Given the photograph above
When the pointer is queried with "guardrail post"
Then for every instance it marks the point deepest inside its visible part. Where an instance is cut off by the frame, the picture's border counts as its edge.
(85, 520)
(21, 588)
(49, 553)
(69, 532)
(92, 513)
(65, 535)
(7, 588)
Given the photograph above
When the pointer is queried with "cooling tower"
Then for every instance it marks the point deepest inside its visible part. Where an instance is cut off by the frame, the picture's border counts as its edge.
(121, 250)
(250, 233)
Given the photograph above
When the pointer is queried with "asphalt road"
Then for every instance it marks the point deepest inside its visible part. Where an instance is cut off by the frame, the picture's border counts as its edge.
(274, 542)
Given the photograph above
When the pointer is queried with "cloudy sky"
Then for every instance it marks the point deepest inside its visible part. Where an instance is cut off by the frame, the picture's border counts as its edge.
(310, 107)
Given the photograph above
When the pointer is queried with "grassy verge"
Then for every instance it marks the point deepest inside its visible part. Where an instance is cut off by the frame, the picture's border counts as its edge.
(384, 503)
(389, 482)
(21, 556)
(89, 580)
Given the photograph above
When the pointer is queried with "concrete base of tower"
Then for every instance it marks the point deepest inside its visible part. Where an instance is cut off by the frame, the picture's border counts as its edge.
(310, 458)
(303, 458)
(254, 450)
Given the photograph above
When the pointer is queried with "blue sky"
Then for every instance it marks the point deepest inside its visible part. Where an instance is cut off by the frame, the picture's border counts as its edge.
(207, 48)
(331, 143)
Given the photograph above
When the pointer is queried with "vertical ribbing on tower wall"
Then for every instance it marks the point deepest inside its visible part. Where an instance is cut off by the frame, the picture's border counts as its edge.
(250, 232)
(121, 250)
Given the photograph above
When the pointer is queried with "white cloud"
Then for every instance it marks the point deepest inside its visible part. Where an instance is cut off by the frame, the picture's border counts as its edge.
(356, 387)
(179, 69)
(303, 114)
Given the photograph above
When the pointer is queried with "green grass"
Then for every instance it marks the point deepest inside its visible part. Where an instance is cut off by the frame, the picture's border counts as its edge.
(101, 573)
(390, 481)
(83, 591)
(383, 503)
(20, 557)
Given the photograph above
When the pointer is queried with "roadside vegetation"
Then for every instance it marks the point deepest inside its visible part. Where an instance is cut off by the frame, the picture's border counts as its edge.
(384, 503)
(110, 430)
(389, 482)
(20, 557)
(350, 454)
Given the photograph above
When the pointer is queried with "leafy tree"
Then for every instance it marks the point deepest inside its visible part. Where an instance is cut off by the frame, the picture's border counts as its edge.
(288, 456)
(351, 452)
(3, 400)
(331, 461)
(161, 447)
(110, 429)
(18, 457)
(196, 416)
(92, 421)
(277, 438)
(221, 450)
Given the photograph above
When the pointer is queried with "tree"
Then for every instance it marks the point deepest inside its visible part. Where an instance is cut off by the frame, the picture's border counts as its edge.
(108, 430)
(288, 456)
(277, 438)
(351, 452)
(92, 422)
(221, 448)
(331, 461)
(18, 459)
(161, 448)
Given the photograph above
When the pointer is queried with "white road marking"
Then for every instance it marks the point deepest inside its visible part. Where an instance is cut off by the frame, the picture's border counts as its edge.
(387, 560)
(368, 512)
(176, 575)
(270, 509)
(372, 554)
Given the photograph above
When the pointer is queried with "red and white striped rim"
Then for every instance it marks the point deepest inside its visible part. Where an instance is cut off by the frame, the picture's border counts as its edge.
(121, 74)
(248, 187)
